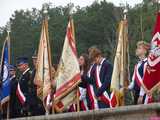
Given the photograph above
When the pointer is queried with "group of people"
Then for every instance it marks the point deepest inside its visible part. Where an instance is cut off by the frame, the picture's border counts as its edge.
(23, 96)
(96, 73)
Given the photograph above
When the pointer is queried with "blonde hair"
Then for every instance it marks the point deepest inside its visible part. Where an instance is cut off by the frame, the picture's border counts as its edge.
(145, 45)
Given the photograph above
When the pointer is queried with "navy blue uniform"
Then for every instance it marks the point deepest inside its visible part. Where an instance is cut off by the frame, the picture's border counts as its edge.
(28, 91)
(137, 78)
(90, 86)
(105, 73)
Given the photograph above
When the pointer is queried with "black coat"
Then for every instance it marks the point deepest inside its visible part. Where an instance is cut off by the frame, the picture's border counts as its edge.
(14, 104)
(33, 105)
(29, 91)
(105, 78)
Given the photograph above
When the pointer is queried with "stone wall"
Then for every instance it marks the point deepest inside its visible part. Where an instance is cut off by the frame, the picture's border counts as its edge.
(136, 112)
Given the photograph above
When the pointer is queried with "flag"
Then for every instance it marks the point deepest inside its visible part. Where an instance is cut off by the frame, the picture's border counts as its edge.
(4, 72)
(68, 75)
(120, 68)
(43, 71)
(152, 72)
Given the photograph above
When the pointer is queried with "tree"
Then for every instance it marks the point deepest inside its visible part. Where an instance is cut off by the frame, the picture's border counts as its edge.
(94, 25)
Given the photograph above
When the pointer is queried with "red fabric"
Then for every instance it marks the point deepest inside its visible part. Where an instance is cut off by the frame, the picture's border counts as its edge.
(113, 100)
(82, 106)
(60, 105)
(67, 85)
(91, 98)
(151, 78)
(152, 73)
(71, 38)
(150, 100)
(103, 98)
(72, 108)
(20, 98)
(20, 95)
(136, 77)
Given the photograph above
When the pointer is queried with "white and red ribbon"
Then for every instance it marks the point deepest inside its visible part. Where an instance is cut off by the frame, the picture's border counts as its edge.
(20, 95)
(105, 97)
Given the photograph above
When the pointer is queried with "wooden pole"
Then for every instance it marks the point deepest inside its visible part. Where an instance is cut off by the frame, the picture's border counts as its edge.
(8, 109)
(73, 31)
(78, 105)
(49, 56)
(9, 61)
(125, 56)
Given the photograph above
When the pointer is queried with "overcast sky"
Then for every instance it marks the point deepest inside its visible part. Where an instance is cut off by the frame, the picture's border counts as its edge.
(7, 7)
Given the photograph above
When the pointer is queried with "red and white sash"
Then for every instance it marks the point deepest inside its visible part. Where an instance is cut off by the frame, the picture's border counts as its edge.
(136, 74)
(91, 94)
(20, 95)
(104, 97)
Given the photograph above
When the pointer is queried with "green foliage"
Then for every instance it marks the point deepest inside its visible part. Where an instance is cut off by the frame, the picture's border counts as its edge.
(94, 25)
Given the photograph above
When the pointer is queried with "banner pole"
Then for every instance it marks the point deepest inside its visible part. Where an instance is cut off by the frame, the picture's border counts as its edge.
(9, 61)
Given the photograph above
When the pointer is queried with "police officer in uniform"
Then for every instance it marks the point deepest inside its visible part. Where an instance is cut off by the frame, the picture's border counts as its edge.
(26, 90)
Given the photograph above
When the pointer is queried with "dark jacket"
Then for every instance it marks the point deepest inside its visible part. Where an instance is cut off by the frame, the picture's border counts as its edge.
(14, 104)
(105, 78)
(29, 91)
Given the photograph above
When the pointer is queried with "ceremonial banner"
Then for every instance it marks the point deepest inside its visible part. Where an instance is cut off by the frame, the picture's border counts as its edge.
(68, 75)
(120, 68)
(152, 72)
(4, 72)
(43, 69)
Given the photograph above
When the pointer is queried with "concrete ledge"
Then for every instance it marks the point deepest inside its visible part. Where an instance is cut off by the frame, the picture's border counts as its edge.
(135, 112)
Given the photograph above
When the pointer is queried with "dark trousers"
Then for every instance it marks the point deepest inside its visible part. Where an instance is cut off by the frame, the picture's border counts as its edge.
(102, 105)
(136, 96)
